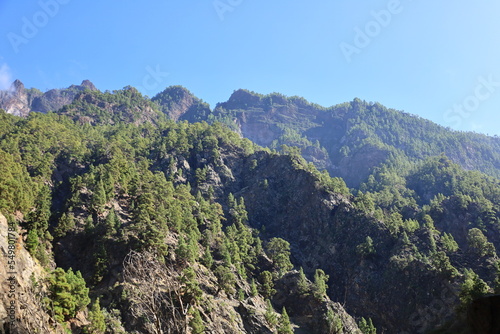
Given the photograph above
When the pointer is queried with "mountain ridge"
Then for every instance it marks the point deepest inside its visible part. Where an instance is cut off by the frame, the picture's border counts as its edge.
(333, 138)
(110, 183)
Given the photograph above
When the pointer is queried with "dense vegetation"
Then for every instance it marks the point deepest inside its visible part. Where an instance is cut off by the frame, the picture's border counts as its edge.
(136, 216)
(338, 137)
(101, 192)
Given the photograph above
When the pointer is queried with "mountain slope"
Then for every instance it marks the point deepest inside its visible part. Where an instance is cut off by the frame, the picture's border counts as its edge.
(135, 208)
(352, 139)
(111, 188)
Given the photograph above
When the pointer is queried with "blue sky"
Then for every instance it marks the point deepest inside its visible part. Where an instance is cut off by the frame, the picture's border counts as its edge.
(439, 60)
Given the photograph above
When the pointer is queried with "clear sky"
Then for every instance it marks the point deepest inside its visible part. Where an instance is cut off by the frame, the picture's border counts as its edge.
(436, 59)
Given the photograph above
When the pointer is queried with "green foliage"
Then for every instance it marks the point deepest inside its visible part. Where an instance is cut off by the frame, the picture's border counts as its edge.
(115, 150)
(496, 287)
(366, 326)
(68, 294)
(66, 223)
(448, 242)
(394, 223)
(479, 243)
(38, 219)
(191, 290)
(266, 284)
(320, 287)
(208, 259)
(186, 249)
(253, 288)
(226, 279)
(366, 248)
(270, 315)
(96, 318)
(101, 262)
(196, 322)
(334, 321)
(365, 202)
(442, 263)
(285, 326)
(279, 252)
(99, 197)
(472, 288)
(111, 223)
(16, 188)
(241, 295)
(303, 287)
(32, 242)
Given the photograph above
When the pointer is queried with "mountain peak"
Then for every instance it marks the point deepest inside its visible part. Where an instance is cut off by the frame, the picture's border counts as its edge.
(88, 84)
(243, 97)
(17, 86)
(243, 94)
(180, 104)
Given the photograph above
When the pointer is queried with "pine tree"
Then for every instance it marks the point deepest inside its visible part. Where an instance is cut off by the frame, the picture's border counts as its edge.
(267, 284)
(279, 252)
(68, 294)
(253, 288)
(32, 242)
(182, 251)
(270, 315)
(302, 284)
(226, 279)
(101, 262)
(241, 295)
(196, 322)
(367, 327)
(366, 248)
(285, 326)
(208, 259)
(192, 291)
(66, 223)
(112, 223)
(472, 288)
(320, 286)
(99, 197)
(334, 322)
(96, 319)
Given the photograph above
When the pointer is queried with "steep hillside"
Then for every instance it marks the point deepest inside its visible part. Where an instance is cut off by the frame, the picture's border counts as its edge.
(136, 232)
(143, 224)
(352, 139)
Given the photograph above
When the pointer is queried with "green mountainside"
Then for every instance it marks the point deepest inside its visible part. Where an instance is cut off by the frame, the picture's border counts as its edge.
(140, 215)
(352, 140)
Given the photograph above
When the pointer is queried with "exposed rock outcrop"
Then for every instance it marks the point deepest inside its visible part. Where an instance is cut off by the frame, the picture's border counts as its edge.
(15, 100)
(21, 285)
(20, 101)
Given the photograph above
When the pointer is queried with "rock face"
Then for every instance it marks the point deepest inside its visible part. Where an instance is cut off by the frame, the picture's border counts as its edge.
(20, 101)
(16, 100)
(274, 119)
(301, 306)
(324, 230)
(352, 139)
(21, 309)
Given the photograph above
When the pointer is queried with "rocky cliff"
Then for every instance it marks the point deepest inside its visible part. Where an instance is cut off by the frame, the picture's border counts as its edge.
(20, 101)
(354, 139)
(22, 286)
